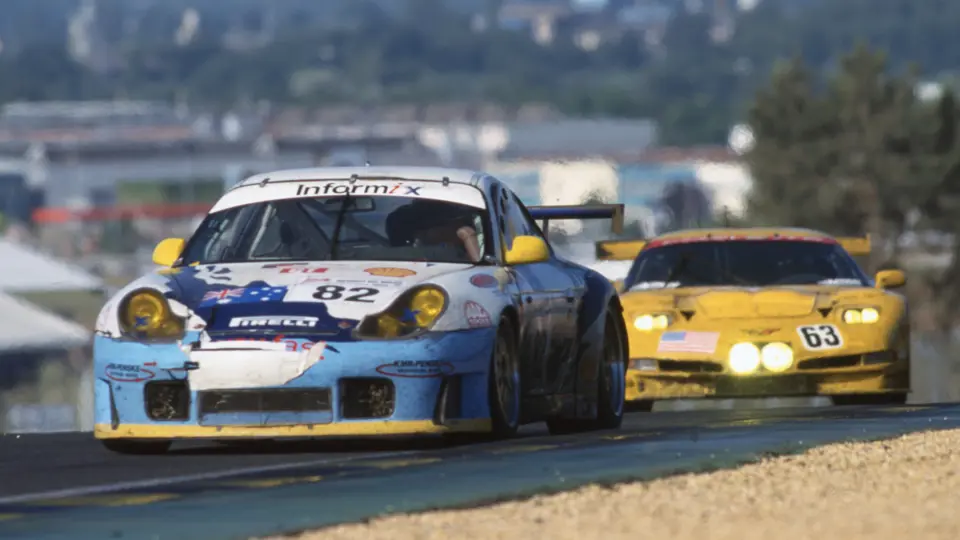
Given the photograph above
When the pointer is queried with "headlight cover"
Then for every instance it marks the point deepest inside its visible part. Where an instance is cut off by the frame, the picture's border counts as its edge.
(413, 312)
(145, 314)
(648, 322)
(867, 315)
(776, 357)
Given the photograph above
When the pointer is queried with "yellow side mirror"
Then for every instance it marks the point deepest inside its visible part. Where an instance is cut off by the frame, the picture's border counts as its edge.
(527, 250)
(889, 279)
(168, 251)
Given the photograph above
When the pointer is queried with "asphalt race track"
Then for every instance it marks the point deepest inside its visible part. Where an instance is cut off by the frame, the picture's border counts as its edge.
(67, 486)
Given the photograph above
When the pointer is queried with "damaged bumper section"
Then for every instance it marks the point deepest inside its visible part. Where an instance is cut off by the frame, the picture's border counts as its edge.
(436, 383)
(659, 379)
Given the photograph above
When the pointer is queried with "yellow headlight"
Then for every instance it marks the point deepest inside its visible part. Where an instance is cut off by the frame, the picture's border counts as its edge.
(650, 321)
(869, 315)
(427, 304)
(861, 316)
(744, 358)
(147, 314)
(388, 326)
(777, 357)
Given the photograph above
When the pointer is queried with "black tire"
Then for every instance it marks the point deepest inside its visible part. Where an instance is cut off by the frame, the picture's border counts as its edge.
(612, 385)
(137, 448)
(892, 398)
(504, 388)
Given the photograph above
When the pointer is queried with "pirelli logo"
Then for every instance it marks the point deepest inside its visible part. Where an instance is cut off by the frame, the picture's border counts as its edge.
(272, 321)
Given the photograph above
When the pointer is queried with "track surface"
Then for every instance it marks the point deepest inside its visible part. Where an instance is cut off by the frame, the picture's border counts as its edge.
(67, 486)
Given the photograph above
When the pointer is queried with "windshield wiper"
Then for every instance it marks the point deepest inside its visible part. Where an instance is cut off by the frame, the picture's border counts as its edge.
(341, 215)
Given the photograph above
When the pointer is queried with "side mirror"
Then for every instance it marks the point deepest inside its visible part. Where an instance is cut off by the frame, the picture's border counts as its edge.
(890, 279)
(168, 251)
(527, 250)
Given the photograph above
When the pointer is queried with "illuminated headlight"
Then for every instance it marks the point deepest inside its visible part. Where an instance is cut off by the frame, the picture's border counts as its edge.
(651, 321)
(744, 358)
(776, 357)
(861, 316)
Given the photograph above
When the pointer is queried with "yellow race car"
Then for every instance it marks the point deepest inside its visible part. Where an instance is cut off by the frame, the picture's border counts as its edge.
(754, 312)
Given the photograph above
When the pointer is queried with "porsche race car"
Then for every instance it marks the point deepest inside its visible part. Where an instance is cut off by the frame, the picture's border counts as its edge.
(349, 302)
(758, 313)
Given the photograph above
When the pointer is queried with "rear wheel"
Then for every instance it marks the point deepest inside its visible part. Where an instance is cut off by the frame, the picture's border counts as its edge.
(611, 385)
(892, 398)
(140, 448)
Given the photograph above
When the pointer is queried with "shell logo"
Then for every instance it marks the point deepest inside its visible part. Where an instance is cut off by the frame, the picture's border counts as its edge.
(390, 272)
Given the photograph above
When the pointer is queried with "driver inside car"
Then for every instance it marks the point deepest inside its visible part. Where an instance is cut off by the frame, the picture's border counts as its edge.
(426, 223)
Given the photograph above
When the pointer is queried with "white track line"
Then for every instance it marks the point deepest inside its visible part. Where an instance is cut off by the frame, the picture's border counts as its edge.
(159, 482)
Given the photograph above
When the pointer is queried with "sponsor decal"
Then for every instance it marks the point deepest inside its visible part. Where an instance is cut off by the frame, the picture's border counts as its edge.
(273, 320)
(128, 373)
(292, 345)
(344, 325)
(416, 369)
(244, 295)
(689, 342)
(761, 331)
(476, 316)
(484, 281)
(342, 188)
(390, 272)
(295, 268)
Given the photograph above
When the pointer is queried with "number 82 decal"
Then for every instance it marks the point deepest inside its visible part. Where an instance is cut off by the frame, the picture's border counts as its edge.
(818, 337)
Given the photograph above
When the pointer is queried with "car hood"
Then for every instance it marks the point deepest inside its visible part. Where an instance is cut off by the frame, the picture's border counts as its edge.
(749, 302)
(301, 298)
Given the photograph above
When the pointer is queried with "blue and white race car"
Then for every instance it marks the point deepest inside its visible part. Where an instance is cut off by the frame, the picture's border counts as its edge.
(370, 301)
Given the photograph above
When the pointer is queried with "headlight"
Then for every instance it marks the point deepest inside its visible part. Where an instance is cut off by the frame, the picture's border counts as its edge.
(415, 310)
(651, 321)
(744, 358)
(146, 314)
(861, 316)
(776, 357)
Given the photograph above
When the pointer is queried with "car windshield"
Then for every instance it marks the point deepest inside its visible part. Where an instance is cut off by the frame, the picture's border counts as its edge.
(367, 228)
(744, 263)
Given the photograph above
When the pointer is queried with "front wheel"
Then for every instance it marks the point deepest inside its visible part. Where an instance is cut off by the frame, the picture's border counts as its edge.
(504, 388)
(136, 447)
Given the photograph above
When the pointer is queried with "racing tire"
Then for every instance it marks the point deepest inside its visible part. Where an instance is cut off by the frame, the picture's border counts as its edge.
(137, 448)
(612, 382)
(504, 388)
(892, 398)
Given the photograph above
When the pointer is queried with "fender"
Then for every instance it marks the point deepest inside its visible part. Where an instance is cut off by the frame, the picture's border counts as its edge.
(590, 328)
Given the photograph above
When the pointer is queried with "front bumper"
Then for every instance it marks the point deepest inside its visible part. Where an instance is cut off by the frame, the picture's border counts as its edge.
(687, 379)
(433, 384)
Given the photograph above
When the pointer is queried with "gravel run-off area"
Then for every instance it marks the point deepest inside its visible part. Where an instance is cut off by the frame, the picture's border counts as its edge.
(907, 487)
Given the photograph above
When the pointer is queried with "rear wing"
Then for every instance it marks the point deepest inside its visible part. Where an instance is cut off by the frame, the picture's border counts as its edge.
(613, 212)
(856, 245)
(619, 250)
(627, 250)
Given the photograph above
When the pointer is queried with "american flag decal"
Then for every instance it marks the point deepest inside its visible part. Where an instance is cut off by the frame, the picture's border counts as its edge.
(690, 342)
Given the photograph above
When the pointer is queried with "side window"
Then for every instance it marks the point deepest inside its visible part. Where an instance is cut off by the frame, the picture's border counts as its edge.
(518, 221)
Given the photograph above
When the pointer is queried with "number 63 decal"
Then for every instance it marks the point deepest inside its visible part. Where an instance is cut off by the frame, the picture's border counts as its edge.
(818, 337)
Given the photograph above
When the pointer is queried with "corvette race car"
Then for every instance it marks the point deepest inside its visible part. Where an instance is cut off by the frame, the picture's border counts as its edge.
(760, 312)
(369, 301)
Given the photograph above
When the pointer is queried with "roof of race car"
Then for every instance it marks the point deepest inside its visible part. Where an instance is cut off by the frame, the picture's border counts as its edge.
(720, 234)
(427, 174)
